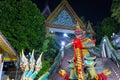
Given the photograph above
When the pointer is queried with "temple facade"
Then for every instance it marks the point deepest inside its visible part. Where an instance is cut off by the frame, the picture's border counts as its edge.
(7, 53)
(64, 19)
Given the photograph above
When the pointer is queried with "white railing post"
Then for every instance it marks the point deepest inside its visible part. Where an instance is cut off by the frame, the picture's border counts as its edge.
(1, 71)
(1, 66)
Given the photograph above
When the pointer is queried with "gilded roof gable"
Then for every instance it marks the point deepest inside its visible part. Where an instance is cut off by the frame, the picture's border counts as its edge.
(5, 47)
(70, 16)
(64, 18)
(89, 28)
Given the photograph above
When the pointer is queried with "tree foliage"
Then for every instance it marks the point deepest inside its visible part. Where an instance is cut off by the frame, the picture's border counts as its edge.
(50, 48)
(50, 51)
(109, 26)
(116, 10)
(106, 27)
(22, 24)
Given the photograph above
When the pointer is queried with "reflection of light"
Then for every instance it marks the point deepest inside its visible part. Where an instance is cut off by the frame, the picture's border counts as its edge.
(65, 35)
(63, 43)
(104, 40)
(117, 40)
(113, 34)
(52, 31)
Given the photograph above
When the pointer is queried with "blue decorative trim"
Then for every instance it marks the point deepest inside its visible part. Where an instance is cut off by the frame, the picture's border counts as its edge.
(64, 18)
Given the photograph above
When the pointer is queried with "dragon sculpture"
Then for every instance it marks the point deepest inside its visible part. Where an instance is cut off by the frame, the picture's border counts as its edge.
(30, 67)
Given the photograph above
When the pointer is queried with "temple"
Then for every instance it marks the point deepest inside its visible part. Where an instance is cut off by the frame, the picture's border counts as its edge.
(76, 56)
(7, 53)
(6, 49)
(46, 12)
(89, 31)
(64, 19)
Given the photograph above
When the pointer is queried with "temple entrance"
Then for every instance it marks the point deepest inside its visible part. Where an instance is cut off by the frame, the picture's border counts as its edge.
(64, 19)
(61, 30)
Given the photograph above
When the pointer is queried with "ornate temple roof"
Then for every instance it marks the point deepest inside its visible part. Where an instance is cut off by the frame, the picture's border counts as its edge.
(46, 12)
(64, 17)
(89, 28)
(6, 48)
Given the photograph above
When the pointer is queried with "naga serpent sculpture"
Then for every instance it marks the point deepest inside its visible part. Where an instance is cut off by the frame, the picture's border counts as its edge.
(30, 67)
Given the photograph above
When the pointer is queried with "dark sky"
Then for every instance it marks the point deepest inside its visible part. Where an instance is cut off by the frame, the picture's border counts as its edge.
(92, 10)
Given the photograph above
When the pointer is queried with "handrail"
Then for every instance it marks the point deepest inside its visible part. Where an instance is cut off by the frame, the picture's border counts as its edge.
(57, 62)
(44, 76)
(95, 51)
(112, 52)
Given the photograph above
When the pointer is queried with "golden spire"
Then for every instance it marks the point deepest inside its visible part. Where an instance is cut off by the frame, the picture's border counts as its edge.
(24, 59)
(32, 59)
(77, 25)
(63, 0)
(39, 62)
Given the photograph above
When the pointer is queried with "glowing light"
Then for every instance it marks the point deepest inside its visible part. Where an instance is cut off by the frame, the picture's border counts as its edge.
(65, 35)
(104, 40)
(52, 31)
(63, 43)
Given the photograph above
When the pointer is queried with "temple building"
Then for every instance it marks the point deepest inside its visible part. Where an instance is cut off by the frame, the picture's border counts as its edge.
(7, 53)
(64, 19)
(89, 31)
(46, 12)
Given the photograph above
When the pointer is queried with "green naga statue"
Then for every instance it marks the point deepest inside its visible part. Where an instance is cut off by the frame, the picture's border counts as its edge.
(30, 67)
(89, 70)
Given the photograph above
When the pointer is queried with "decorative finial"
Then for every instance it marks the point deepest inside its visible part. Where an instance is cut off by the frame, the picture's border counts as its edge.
(24, 59)
(64, 0)
(32, 59)
(39, 62)
(77, 25)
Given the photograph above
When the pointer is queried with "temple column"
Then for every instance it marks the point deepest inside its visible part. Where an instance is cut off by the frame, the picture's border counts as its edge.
(0, 60)
(1, 56)
(1, 65)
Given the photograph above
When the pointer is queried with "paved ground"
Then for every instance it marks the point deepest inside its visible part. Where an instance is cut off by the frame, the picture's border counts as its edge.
(102, 63)
(68, 56)
(109, 64)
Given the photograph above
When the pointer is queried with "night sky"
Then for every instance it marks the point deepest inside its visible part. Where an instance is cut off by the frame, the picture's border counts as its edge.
(92, 10)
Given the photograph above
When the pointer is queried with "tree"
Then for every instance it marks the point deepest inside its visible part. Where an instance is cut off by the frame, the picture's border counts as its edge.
(22, 24)
(50, 50)
(116, 10)
(107, 27)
